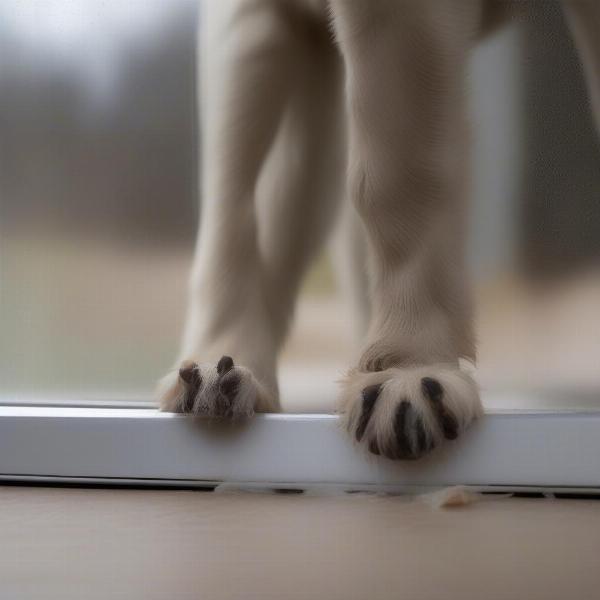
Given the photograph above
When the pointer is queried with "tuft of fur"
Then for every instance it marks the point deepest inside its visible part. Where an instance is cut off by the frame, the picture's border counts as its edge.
(451, 497)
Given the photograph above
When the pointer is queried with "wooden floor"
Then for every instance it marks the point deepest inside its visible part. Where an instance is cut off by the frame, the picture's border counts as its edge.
(129, 544)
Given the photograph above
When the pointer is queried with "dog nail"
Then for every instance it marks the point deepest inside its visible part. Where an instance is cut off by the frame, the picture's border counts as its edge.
(225, 364)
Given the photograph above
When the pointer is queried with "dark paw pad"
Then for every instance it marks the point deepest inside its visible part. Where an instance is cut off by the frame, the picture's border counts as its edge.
(370, 395)
(229, 386)
(411, 440)
(190, 374)
(434, 392)
(224, 365)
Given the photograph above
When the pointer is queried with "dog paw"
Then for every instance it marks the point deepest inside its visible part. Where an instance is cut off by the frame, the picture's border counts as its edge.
(403, 413)
(224, 390)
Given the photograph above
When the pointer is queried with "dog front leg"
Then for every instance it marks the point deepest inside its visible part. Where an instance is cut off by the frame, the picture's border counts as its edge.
(408, 155)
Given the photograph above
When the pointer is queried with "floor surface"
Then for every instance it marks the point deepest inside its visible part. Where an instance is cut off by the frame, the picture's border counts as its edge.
(149, 545)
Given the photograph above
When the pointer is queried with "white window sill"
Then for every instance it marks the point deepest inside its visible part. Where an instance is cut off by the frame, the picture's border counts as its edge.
(515, 449)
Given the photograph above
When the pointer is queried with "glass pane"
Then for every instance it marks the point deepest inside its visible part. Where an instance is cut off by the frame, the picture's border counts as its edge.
(98, 208)
(98, 203)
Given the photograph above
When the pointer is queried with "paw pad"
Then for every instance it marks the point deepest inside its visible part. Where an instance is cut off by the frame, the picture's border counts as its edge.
(190, 374)
(370, 395)
(404, 427)
(219, 391)
(433, 391)
(224, 365)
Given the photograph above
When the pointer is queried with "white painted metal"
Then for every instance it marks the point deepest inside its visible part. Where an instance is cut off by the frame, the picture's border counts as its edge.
(512, 449)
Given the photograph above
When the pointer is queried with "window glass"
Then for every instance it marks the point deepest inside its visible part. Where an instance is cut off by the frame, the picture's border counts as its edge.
(98, 207)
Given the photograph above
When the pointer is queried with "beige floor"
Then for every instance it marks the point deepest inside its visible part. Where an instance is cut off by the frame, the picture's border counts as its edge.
(84, 544)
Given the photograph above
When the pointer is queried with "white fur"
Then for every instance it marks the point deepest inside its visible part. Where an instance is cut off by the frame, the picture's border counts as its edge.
(295, 92)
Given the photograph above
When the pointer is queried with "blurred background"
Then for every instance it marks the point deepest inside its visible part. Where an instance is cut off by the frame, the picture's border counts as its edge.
(98, 208)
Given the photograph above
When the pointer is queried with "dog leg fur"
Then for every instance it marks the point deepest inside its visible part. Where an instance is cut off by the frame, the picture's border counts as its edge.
(269, 79)
(405, 64)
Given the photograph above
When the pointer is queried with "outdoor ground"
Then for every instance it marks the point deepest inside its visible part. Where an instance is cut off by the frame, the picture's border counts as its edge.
(92, 321)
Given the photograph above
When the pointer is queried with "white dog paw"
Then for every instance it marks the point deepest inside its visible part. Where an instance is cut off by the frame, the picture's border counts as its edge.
(223, 390)
(403, 413)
